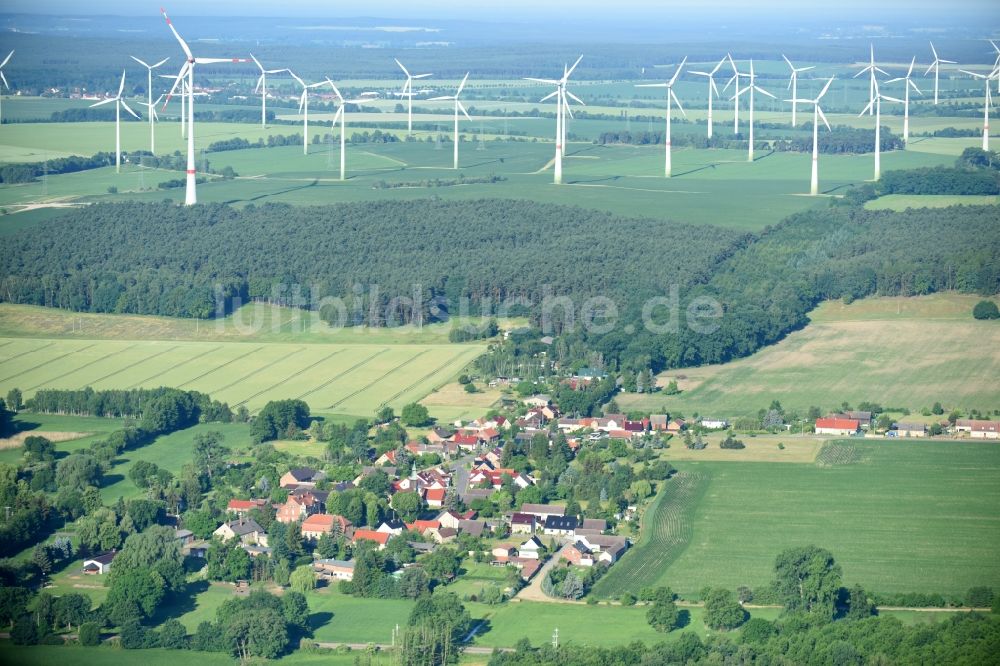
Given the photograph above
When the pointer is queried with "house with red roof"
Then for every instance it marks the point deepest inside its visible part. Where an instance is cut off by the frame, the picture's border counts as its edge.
(434, 497)
(836, 426)
(381, 538)
(242, 507)
(319, 524)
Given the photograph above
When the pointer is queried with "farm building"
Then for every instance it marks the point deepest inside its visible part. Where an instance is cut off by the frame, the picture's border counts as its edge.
(986, 430)
(904, 429)
(579, 554)
(836, 426)
(714, 424)
(543, 511)
(243, 507)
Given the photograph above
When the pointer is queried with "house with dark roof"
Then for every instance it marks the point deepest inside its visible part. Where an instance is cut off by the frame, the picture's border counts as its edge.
(561, 525)
(247, 530)
(99, 564)
(300, 477)
(578, 554)
(522, 523)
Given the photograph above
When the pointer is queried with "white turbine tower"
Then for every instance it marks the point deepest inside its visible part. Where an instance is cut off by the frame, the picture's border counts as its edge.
(877, 103)
(987, 103)
(711, 88)
(4, 79)
(119, 103)
(190, 192)
(751, 88)
(562, 103)
(149, 98)
(936, 66)
(817, 116)
(407, 92)
(342, 115)
(458, 107)
(151, 110)
(736, 106)
(793, 83)
(262, 87)
(671, 97)
(304, 108)
(906, 98)
(871, 68)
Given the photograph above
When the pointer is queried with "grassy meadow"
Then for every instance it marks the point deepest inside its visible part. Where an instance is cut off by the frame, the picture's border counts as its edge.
(887, 350)
(898, 516)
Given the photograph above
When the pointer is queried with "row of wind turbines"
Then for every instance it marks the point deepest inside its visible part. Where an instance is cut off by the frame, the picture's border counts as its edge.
(183, 85)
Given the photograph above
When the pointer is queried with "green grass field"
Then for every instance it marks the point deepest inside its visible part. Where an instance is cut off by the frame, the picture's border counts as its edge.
(885, 350)
(900, 202)
(903, 517)
(334, 378)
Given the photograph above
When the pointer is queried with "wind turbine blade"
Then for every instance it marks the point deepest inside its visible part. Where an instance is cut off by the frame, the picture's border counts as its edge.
(133, 58)
(103, 102)
(717, 67)
(551, 82)
(931, 67)
(159, 63)
(183, 44)
(948, 62)
(934, 51)
(823, 118)
(861, 72)
(732, 63)
(910, 70)
(978, 76)
(790, 65)
(892, 99)
(881, 71)
(336, 91)
(806, 69)
(549, 96)
(440, 99)
(825, 88)
(462, 109)
(121, 86)
(336, 117)
(652, 85)
(212, 61)
(568, 73)
(260, 81)
(421, 76)
(914, 86)
(691, 71)
(761, 90)
(678, 103)
(714, 87)
(462, 84)
(7, 59)
(402, 68)
(898, 78)
(867, 108)
(257, 62)
(179, 78)
(294, 76)
(302, 99)
(575, 98)
(678, 72)
(129, 109)
(4, 79)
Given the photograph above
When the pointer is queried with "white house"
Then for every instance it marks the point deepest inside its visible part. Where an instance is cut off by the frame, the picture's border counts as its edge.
(530, 549)
(99, 564)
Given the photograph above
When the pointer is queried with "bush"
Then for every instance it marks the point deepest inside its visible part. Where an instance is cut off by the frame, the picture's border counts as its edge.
(89, 634)
(627, 599)
(986, 310)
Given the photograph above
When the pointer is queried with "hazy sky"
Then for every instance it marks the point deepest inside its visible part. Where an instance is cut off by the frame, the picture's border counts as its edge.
(511, 10)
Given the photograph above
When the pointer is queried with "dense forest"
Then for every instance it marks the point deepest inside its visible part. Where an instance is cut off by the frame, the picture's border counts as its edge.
(388, 263)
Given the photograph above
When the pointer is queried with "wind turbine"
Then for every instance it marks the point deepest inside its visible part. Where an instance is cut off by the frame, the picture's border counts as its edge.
(190, 192)
(711, 88)
(304, 107)
(671, 95)
(936, 66)
(996, 63)
(342, 115)
(407, 92)
(151, 110)
(4, 79)
(751, 88)
(736, 107)
(817, 116)
(562, 105)
(872, 68)
(877, 103)
(149, 97)
(458, 107)
(987, 103)
(262, 87)
(906, 98)
(119, 103)
(793, 83)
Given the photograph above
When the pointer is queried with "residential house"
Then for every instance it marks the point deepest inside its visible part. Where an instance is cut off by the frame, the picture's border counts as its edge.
(607, 549)
(245, 529)
(578, 554)
(538, 400)
(590, 374)
(380, 538)
(561, 525)
(387, 458)
(592, 526)
(419, 526)
(439, 434)
(244, 507)
(985, 430)
(99, 564)
(908, 429)
(297, 507)
(452, 519)
(504, 553)
(531, 549)
(675, 426)
(330, 569)
(184, 537)
(543, 511)
(441, 534)
(301, 477)
(393, 526)
(319, 524)
(466, 441)
(474, 528)
(835, 426)
(864, 419)
(658, 422)
(522, 523)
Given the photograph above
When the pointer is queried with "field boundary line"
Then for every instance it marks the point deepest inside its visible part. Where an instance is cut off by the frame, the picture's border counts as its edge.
(82, 367)
(433, 372)
(219, 367)
(291, 376)
(220, 389)
(181, 364)
(379, 378)
(30, 351)
(132, 365)
(342, 373)
(51, 360)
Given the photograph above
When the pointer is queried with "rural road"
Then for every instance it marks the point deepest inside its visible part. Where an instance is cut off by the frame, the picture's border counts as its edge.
(462, 474)
(468, 649)
(533, 590)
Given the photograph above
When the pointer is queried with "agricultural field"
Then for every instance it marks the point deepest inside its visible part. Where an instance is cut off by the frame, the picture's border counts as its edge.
(333, 378)
(886, 350)
(898, 516)
(901, 202)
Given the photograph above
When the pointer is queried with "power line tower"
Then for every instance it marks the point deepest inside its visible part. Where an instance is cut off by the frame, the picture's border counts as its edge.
(555, 638)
